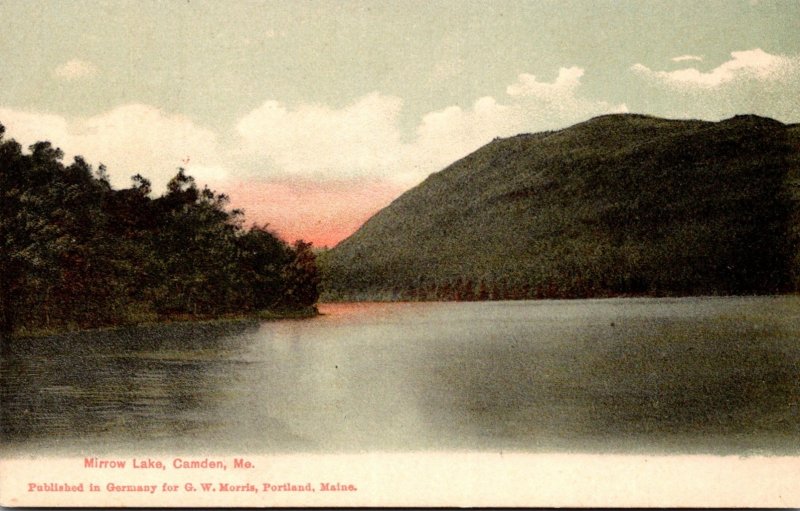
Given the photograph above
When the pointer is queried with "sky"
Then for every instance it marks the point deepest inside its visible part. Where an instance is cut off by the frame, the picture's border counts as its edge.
(312, 116)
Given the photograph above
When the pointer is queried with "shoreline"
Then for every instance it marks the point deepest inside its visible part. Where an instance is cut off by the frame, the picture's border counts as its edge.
(381, 299)
(262, 315)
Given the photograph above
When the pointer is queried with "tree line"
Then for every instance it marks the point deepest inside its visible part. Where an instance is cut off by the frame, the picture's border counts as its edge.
(77, 253)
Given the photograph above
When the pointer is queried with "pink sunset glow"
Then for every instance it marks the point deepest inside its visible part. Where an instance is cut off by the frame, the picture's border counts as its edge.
(322, 213)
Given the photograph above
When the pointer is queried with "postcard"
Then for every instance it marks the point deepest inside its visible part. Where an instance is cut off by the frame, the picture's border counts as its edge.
(407, 253)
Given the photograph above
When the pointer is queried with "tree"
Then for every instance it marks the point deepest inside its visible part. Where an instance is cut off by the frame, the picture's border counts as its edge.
(301, 276)
(263, 257)
(12, 264)
(77, 252)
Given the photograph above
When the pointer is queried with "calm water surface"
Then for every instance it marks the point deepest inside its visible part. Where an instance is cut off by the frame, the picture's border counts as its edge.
(715, 375)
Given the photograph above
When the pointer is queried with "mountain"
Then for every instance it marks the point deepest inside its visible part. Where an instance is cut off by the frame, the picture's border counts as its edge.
(617, 205)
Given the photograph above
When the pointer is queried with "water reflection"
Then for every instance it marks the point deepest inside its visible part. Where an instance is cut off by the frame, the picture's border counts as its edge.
(119, 385)
(690, 375)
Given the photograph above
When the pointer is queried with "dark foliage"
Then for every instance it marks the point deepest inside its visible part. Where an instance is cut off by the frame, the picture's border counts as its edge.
(618, 205)
(74, 252)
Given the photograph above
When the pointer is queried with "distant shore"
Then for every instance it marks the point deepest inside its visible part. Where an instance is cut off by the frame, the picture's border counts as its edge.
(388, 298)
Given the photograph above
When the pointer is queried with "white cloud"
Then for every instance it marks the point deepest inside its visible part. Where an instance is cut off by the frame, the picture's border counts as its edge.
(451, 133)
(750, 82)
(532, 105)
(75, 69)
(361, 138)
(558, 104)
(364, 138)
(744, 65)
(30, 127)
(129, 139)
(684, 58)
(566, 82)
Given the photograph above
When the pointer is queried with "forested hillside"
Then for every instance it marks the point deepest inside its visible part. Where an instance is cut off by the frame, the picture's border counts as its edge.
(618, 205)
(76, 253)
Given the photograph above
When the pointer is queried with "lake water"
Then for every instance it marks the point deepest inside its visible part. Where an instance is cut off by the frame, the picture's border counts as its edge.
(717, 375)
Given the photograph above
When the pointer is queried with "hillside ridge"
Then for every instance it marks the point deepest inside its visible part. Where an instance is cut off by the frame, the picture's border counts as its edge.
(617, 204)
